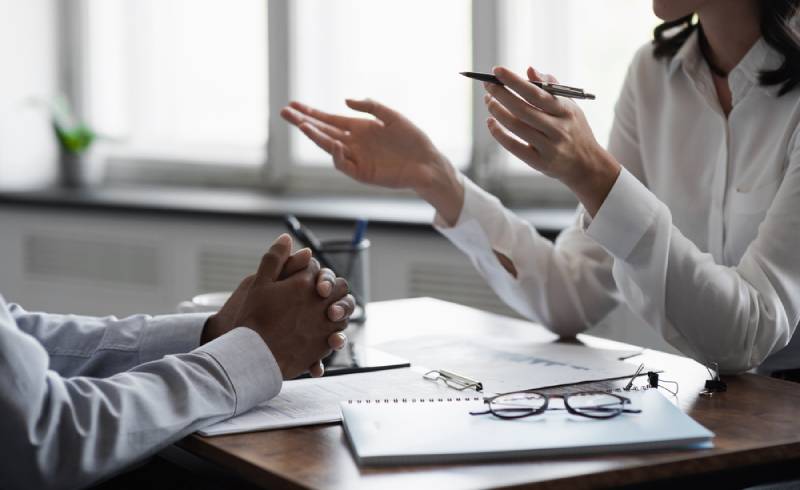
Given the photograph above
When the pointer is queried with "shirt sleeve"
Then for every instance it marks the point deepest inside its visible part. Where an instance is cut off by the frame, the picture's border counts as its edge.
(733, 316)
(100, 347)
(566, 285)
(61, 432)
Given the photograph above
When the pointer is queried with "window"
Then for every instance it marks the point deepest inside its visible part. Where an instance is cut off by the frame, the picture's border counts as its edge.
(399, 52)
(201, 81)
(584, 43)
(179, 78)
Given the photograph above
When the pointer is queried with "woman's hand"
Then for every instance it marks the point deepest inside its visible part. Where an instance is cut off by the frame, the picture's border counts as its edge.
(555, 137)
(389, 151)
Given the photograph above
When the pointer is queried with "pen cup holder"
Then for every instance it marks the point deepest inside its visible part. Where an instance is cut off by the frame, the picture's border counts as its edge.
(351, 261)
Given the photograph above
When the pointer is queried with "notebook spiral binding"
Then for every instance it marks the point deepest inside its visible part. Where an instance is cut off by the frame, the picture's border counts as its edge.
(633, 388)
(418, 400)
(452, 399)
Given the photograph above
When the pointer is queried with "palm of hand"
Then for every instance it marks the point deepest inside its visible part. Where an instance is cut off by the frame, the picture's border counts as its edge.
(394, 153)
(389, 150)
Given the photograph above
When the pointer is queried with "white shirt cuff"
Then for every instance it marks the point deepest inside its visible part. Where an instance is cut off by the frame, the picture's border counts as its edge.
(249, 364)
(626, 214)
(438, 220)
(478, 230)
(171, 334)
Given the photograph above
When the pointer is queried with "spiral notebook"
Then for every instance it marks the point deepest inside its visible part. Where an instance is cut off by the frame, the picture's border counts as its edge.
(441, 430)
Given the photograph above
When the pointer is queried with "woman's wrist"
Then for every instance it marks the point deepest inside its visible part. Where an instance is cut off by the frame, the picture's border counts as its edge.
(443, 189)
(592, 187)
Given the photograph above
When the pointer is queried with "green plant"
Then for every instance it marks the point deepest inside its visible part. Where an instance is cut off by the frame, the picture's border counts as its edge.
(73, 135)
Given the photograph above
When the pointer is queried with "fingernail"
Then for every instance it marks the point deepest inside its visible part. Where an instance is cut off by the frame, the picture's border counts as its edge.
(325, 289)
(343, 338)
(337, 312)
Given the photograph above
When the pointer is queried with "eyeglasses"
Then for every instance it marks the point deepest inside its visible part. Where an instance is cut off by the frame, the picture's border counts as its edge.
(592, 404)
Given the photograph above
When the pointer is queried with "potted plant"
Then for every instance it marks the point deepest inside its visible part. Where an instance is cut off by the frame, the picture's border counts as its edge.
(74, 140)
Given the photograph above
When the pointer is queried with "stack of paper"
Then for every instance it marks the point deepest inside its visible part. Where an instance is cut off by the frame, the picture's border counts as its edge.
(316, 400)
(500, 366)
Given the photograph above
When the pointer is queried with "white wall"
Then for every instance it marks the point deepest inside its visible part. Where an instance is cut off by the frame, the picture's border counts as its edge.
(28, 68)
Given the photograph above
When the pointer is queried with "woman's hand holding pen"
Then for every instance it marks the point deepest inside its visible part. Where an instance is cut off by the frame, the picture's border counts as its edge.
(552, 136)
(389, 151)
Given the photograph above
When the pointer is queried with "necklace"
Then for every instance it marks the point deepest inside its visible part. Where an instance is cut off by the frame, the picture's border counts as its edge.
(704, 49)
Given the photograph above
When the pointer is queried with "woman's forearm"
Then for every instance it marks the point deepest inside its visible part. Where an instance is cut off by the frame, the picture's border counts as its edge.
(443, 190)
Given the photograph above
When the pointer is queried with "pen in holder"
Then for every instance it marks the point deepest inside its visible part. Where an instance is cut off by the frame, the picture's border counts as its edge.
(351, 261)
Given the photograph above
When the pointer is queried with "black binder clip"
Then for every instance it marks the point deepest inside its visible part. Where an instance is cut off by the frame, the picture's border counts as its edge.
(715, 384)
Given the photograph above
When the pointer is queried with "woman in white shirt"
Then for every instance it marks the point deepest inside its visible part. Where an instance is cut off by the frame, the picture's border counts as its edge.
(691, 217)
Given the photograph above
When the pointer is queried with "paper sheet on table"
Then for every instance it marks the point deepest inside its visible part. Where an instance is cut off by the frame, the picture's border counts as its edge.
(316, 401)
(504, 366)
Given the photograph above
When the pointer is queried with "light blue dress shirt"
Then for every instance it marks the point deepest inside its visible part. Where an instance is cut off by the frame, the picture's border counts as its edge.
(81, 398)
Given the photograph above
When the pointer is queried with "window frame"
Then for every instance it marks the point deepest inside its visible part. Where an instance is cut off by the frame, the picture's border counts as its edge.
(278, 172)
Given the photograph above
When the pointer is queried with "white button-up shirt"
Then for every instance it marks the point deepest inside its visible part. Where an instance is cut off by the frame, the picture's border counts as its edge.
(81, 398)
(700, 234)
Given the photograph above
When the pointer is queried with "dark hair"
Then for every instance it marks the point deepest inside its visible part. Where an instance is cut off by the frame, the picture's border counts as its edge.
(776, 27)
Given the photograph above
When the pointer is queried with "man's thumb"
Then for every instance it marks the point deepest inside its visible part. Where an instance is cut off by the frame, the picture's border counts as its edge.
(273, 261)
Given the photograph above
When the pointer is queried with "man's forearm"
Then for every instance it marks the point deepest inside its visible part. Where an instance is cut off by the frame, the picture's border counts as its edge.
(85, 428)
(99, 347)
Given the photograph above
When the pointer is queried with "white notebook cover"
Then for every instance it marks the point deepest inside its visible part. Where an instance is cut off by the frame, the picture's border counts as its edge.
(443, 432)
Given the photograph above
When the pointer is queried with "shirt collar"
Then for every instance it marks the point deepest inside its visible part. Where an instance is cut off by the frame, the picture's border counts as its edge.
(688, 55)
(761, 56)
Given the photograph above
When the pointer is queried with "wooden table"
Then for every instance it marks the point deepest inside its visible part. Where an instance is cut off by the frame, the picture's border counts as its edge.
(755, 421)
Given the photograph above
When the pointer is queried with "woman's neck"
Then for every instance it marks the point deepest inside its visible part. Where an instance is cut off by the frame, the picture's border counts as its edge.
(731, 28)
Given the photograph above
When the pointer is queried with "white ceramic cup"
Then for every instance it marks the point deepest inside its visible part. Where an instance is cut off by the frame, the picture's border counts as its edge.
(204, 302)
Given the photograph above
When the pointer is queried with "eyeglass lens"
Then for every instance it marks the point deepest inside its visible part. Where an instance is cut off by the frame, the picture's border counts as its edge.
(515, 405)
(596, 405)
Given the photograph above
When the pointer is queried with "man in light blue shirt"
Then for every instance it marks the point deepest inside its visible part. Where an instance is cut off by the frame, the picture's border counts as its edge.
(81, 398)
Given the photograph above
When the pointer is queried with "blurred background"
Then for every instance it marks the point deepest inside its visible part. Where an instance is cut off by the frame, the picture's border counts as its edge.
(143, 161)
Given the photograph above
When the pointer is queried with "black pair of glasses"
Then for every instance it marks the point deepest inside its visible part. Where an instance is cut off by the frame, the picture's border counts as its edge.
(592, 404)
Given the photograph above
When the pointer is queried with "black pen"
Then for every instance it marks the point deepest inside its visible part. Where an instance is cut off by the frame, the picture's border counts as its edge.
(551, 88)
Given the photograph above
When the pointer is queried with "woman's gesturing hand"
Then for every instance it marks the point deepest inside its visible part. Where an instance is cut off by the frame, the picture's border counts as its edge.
(389, 151)
(552, 135)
